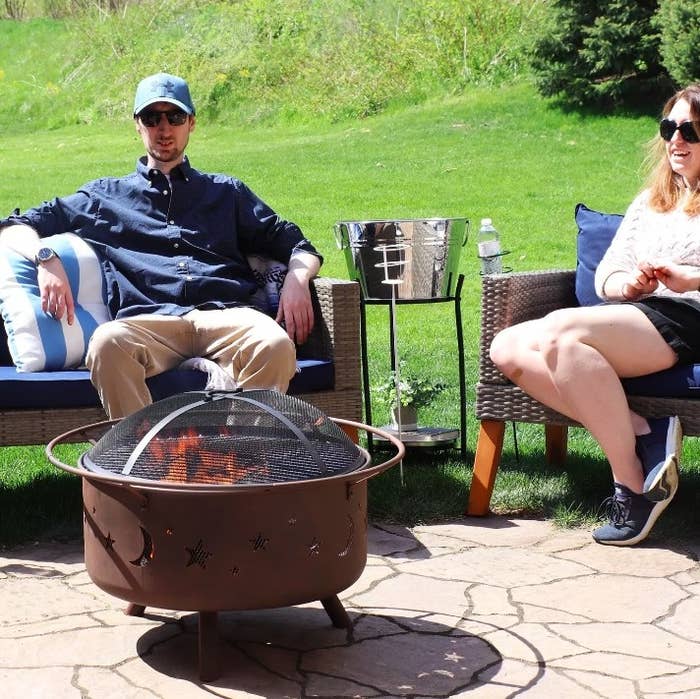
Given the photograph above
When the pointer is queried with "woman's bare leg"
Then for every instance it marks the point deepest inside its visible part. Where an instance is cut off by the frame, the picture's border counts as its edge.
(572, 361)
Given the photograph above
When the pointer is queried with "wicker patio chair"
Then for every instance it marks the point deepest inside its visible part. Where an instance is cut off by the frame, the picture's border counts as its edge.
(335, 336)
(508, 299)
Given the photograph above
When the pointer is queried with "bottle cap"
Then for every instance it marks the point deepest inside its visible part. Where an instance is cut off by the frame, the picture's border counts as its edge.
(485, 221)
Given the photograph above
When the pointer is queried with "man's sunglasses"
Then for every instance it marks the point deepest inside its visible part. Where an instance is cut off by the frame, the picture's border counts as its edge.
(668, 127)
(152, 117)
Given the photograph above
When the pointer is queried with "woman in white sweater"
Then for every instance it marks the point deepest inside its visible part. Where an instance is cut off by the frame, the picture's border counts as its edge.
(649, 319)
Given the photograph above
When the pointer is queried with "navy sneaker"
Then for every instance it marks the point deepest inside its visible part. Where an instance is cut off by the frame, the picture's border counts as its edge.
(631, 517)
(658, 451)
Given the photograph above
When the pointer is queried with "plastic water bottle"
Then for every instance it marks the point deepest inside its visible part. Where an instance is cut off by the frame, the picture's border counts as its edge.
(488, 244)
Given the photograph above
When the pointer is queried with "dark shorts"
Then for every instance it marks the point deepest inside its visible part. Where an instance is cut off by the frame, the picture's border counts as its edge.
(678, 321)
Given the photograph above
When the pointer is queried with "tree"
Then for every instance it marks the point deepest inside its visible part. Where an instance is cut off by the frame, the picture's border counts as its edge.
(679, 26)
(600, 53)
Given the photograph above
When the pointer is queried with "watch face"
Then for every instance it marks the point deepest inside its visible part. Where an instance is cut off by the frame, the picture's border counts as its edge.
(45, 254)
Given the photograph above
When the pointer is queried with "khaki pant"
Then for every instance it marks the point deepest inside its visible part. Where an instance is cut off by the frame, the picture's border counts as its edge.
(246, 343)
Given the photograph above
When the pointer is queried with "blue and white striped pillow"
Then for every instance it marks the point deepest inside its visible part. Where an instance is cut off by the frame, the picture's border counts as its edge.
(37, 342)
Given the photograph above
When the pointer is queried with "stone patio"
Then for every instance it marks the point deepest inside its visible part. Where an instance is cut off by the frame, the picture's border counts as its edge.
(475, 608)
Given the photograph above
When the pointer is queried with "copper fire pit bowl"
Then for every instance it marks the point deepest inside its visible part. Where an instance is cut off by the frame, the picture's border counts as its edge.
(210, 547)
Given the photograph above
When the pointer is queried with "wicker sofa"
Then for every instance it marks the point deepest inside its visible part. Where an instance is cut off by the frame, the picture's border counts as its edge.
(36, 407)
(508, 299)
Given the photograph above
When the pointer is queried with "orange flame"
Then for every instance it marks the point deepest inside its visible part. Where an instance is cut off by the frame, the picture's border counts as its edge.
(189, 461)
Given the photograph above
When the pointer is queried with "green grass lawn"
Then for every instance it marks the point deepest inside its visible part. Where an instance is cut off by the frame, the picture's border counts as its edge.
(500, 153)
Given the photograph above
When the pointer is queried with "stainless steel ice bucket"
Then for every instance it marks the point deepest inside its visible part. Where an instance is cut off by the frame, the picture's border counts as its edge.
(411, 258)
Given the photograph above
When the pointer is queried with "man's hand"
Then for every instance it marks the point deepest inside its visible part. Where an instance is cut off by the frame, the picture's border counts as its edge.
(295, 309)
(56, 296)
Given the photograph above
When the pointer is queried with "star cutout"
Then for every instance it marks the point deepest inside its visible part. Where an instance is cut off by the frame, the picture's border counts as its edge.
(259, 542)
(198, 555)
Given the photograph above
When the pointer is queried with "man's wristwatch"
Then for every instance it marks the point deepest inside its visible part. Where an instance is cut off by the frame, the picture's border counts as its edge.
(44, 255)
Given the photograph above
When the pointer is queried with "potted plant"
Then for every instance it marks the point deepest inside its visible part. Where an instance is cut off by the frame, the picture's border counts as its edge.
(413, 392)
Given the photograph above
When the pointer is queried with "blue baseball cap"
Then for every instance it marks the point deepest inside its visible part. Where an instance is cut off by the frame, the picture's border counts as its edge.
(163, 87)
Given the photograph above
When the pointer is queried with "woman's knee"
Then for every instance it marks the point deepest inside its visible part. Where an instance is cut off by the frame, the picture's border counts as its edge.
(561, 329)
(544, 335)
(499, 351)
(506, 347)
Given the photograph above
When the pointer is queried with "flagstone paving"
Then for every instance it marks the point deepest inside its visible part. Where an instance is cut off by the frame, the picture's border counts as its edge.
(474, 608)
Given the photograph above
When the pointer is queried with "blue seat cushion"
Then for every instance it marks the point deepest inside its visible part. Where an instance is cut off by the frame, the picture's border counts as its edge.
(72, 388)
(682, 381)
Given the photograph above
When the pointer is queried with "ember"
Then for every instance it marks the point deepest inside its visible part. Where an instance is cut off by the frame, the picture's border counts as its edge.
(189, 460)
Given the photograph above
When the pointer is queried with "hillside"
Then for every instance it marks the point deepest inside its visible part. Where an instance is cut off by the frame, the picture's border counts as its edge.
(258, 60)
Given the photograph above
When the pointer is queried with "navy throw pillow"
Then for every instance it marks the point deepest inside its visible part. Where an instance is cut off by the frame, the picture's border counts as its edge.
(595, 232)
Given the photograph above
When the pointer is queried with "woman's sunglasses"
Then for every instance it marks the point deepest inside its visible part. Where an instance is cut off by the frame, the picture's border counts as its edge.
(152, 117)
(668, 127)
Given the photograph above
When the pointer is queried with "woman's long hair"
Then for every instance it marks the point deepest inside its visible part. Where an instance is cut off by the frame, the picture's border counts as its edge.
(667, 188)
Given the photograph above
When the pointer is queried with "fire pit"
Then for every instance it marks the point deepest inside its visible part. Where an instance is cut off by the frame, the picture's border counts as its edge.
(211, 501)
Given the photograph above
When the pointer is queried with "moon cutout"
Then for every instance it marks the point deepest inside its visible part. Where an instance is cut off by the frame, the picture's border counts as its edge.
(147, 554)
(350, 539)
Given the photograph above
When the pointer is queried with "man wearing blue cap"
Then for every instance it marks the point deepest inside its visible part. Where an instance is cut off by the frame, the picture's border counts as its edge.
(173, 243)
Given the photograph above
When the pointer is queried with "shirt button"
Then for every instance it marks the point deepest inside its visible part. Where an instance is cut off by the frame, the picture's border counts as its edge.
(172, 223)
(189, 278)
(165, 191)
(176, 245)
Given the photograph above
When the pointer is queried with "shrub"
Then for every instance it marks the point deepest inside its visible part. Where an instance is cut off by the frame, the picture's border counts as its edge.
(679, 25)
(600, 53)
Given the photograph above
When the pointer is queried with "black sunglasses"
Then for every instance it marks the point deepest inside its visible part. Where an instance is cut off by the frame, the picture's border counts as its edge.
(151, 117)
(668, 127)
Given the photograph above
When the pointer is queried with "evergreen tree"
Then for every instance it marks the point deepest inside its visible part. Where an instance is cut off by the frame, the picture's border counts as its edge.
(600, 53)
(679, 25)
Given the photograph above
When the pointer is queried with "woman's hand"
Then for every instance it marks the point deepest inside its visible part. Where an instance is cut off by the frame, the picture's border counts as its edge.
(639, 282)
(678, 278)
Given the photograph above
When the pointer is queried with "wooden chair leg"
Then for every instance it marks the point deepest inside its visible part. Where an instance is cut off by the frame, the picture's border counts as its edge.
(486, 461)
(555, 437)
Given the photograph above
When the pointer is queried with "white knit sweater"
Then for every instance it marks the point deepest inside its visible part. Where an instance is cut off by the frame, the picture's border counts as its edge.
(651, 236)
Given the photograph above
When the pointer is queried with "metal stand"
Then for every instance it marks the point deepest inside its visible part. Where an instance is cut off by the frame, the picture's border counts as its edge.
(428, 436)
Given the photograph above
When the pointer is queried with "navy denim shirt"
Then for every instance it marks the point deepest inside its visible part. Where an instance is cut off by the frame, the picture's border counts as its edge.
(171, 246)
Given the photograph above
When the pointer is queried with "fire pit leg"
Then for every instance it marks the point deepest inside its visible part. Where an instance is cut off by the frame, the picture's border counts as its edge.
(208, 646)
(134, 609)
(335, 610)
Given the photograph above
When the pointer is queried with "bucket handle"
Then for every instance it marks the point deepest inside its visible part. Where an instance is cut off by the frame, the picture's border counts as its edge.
(340, 239)
(467, 224)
